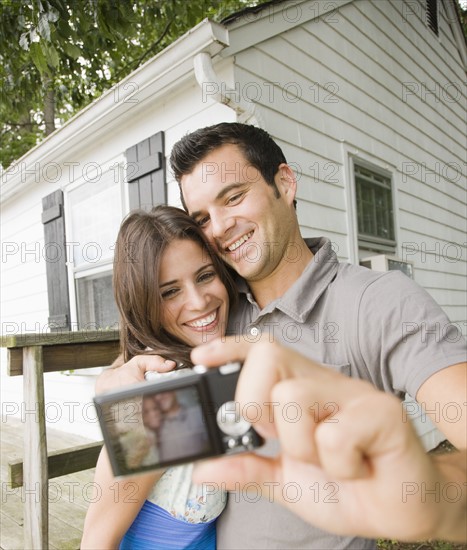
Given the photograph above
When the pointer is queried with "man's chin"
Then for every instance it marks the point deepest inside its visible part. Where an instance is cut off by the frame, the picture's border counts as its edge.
(247, 271)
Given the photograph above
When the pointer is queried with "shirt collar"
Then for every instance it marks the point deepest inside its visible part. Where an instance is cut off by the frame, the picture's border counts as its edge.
(301, 297)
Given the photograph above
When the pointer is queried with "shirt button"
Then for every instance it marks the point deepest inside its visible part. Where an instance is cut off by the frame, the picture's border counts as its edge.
(254, 331)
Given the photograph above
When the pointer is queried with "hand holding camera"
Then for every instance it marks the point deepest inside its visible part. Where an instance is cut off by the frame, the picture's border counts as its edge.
(178, 417)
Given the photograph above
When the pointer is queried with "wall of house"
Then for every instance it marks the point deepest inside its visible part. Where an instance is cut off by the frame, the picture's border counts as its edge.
(24, 304)
(369, 80)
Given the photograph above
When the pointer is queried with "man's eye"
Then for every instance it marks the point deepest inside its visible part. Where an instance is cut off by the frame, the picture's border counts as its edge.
(235, 198)
(202, 221)
(170, 293)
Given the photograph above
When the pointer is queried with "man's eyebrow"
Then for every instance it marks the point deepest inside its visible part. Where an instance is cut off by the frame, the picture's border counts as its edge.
(197, 272)
(222, 193)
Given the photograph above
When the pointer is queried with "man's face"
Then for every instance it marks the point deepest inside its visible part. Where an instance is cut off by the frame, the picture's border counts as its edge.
(167, 401)
(239, 212)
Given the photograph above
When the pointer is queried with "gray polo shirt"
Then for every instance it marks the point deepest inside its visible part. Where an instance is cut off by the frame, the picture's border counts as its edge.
(183, 433)
(381, 327)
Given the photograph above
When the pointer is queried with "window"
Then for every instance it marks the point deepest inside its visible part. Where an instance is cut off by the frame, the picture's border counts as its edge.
(375, 214)
(80, 228)
(94, 216)
(432, 15)
(95, 301)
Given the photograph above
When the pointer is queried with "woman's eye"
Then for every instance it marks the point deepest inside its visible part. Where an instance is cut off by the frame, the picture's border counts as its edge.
(206, 277)
(167, 294)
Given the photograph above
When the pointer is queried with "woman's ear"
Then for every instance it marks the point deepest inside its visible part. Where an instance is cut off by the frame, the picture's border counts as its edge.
(286, 182)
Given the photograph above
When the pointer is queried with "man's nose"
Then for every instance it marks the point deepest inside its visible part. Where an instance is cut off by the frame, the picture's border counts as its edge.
(220, 225)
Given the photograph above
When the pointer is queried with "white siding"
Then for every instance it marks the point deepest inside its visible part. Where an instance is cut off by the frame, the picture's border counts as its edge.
(24, 303)
(362, 78)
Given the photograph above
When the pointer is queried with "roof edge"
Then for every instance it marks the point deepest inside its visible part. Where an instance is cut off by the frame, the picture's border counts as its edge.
(273, 18)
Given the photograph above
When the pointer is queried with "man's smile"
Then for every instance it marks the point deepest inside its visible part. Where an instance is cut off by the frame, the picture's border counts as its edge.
(232, 247)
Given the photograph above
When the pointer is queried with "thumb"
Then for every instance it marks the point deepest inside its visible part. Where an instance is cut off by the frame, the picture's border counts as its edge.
(238, 473)
(220, 351)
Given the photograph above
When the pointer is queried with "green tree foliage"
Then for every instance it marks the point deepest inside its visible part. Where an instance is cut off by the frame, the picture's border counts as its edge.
(463, 16)
(56, 56)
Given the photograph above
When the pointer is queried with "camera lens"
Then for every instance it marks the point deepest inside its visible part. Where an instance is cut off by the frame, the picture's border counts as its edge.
(230, 420)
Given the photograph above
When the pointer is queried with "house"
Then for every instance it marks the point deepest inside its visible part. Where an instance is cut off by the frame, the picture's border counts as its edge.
(366, 98)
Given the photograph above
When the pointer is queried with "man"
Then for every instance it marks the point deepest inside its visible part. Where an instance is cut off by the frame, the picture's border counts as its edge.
(235, 182)
(181, 430)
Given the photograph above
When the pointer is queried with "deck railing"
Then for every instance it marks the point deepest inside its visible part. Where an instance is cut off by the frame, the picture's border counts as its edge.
(32, 355)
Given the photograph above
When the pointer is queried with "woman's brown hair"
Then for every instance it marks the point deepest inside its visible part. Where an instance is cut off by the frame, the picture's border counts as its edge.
(141, 241)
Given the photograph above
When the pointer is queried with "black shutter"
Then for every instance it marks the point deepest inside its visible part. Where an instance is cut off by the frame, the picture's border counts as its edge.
(432, 15)
(53, 218)
(146, 173)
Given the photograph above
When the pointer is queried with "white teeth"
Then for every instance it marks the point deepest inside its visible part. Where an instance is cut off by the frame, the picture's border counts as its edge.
(236, 244)
(199, 323)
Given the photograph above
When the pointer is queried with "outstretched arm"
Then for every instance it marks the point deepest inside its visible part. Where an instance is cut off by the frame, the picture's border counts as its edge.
(350, 462)
(444, 397)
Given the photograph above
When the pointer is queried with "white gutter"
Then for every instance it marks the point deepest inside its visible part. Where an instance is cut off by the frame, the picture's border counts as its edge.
(209, 81)
(220, 92)
(120, 103)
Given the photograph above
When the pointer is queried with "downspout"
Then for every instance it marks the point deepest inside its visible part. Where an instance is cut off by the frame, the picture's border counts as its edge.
(218, 90)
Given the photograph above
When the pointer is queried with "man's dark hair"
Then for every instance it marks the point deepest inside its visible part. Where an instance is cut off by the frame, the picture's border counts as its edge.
(259, 149)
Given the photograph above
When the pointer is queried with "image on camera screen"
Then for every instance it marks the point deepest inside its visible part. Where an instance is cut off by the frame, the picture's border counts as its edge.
(150, 430)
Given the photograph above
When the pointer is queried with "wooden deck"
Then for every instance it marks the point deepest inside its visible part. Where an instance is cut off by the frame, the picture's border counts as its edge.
(69, 495)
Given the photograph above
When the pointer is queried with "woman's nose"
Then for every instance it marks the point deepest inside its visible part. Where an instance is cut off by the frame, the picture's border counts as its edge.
(196, 299)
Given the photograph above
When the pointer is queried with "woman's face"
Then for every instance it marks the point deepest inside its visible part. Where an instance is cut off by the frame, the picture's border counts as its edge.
(195, 302)
(152, 415)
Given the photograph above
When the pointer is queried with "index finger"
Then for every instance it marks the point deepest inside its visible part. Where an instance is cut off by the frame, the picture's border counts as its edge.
(256, 380)
(264, 365)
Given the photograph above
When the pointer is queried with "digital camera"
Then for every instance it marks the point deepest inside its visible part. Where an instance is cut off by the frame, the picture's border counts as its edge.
(181, 416)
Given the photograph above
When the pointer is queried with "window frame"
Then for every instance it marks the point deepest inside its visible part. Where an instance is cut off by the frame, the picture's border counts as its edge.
(115, 168)
(352, 154)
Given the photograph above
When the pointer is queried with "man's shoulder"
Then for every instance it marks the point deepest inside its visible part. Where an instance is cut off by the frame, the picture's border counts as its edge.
(385, 285)
(355, 278)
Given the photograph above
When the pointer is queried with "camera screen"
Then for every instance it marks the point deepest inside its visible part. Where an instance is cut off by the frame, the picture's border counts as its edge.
(151, 430)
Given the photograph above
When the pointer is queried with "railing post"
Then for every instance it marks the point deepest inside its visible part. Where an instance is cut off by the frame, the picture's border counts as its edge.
(35, 475)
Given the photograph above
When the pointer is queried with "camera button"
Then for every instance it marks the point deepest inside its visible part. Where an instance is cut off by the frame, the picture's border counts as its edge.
(246, 440)
(200, 369)
(254, 331)
(229, 368)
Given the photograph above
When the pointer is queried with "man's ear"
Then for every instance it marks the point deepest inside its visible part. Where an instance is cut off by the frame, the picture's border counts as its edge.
(286, 182)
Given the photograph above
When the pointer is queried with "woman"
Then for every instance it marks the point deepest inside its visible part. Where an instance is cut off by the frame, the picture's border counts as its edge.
(173, 293)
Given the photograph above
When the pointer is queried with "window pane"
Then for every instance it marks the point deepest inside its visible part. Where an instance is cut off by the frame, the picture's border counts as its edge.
(375, 216)
(96, 213)
(96, 305)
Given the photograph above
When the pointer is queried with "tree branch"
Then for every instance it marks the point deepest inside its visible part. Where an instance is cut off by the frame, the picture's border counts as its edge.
(137, 63)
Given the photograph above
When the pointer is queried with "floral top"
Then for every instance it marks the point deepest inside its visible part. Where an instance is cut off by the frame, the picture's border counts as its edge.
(185, 501)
